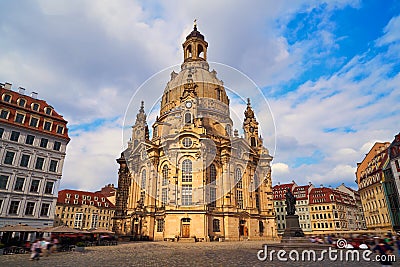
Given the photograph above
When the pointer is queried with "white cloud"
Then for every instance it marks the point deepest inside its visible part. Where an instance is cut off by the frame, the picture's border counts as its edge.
(280, 168)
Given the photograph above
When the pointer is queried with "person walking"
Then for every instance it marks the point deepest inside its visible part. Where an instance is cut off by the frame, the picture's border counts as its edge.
(35, 248)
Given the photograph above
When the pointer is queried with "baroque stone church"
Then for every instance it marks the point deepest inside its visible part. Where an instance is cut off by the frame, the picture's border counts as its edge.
(194, 178)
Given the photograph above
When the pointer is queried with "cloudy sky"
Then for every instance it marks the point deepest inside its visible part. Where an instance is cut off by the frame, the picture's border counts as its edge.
(329, 69)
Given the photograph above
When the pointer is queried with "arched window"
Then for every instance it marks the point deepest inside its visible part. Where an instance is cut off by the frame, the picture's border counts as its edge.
(213, 174)
(143, 179)
(165, 175)
(188, 117)
(7, 98)
(238, 178)
(200, 51)
(189, 51)
(187, 170)
(21, 102)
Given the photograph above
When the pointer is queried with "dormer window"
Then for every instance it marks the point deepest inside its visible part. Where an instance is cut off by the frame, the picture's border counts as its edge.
(21, 102)
(7, 98)
(48, 110)
(35, 106)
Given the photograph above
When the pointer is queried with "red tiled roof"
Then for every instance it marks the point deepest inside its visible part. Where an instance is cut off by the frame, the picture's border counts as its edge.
(323, 195)
(12, 106)
(298, 192)
(280, 190)
(100, 202)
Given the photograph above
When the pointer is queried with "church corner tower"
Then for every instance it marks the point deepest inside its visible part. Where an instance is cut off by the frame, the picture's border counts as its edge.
(193, 178)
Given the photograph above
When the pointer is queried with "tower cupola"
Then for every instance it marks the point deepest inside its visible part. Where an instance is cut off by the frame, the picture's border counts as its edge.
(195, 47)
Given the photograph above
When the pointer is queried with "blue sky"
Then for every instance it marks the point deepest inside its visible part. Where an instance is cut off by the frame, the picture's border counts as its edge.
(329, 69)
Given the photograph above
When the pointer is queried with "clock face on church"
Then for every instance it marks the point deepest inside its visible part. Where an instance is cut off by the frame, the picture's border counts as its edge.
(251, 129)
(188, 104)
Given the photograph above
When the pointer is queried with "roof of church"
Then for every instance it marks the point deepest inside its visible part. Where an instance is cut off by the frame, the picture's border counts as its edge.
(195, 33)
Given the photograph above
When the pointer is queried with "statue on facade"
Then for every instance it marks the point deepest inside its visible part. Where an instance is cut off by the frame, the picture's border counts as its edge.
(290, 202)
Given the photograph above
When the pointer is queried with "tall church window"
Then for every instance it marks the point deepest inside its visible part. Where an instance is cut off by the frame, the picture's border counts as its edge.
(187, 170)
(213, 196)
(238, 178)
(213, 174)
(165, 175)
(239, 199)
(143, 184)
(188, 117)
(186, 194)
(164, 196)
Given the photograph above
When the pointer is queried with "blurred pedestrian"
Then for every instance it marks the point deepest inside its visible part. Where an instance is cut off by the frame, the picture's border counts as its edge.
(35, 248)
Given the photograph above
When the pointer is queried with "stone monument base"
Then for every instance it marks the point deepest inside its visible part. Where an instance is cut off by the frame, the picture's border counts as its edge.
(293, 228)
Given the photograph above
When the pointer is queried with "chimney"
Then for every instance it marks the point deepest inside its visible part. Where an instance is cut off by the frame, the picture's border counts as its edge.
(21, 90)
(34, 95)
(7, 86)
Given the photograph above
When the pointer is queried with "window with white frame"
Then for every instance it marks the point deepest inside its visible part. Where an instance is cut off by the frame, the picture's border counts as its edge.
(34, 122)
(19, 118)
(164, 196)
(187, 170)
(94, 221)
(9, 158)
(165, 175)
(143, 182)
(78, 220)
(186, 194)
(160, 225)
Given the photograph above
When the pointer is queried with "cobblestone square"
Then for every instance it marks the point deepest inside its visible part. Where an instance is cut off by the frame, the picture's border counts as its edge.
(166, 254)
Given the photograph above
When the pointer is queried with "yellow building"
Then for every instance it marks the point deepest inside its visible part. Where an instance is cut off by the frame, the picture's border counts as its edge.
(83, 210)
(370, 178)
(194, 178)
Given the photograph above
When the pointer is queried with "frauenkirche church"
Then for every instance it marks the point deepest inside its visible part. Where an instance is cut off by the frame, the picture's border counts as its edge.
(195, 178)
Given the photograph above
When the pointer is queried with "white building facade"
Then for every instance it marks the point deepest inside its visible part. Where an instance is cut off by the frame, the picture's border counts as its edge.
(33, 141)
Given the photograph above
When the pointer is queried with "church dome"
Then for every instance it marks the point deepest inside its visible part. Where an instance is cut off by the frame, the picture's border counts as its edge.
(195, 69)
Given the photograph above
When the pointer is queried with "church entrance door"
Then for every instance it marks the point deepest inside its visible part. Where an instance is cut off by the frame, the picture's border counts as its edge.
(186, 230)
(185, 222)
